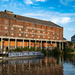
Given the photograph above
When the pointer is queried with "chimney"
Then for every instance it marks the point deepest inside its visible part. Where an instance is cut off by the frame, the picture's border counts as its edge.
(16, 16)
(9, 12)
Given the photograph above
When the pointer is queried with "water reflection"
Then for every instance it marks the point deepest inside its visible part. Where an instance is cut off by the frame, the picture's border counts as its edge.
(62, 65)
(69, 65)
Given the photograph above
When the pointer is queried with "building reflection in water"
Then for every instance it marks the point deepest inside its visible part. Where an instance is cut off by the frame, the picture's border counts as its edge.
(46, 66)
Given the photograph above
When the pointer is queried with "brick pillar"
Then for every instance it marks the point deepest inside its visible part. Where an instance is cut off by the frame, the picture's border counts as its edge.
(46, 44)
(23, 43)
(9, 44)
(55, 44)
(15, 43)
(41, 44)
(29, 44)
(1, 44)
(35, 44)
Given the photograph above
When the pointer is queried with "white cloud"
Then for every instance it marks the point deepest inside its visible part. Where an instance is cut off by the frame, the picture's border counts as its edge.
(73, 6)
(59, 6)
(62, 20)
(41, 0)
(28, 2)
(20, 4)
(4, 5)
(31, 14)
(33, 1)
(5, 0)
(51, 8)
(71, 29)
(15, 4)
(66, 2)
(56, 17)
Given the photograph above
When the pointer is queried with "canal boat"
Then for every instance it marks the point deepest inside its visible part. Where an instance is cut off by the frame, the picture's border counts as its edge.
(21, 55)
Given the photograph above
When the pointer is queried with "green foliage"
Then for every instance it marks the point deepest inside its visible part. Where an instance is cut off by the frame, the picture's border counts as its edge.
(56, 51)
(25, 49)
(70, 43)
(38, 49)
(68, 50)
(44, 52)
(32, 49)
(18, 49)
(50, 52)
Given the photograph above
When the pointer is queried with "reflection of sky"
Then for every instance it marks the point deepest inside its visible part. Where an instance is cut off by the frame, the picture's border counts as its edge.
(68, 69)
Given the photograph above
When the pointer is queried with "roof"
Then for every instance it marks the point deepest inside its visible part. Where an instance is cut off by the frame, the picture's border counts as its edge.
(64, 38)
(73, 36)
(27, 19)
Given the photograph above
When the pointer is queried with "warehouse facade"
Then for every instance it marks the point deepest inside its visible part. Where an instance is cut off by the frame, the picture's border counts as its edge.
(20, 31)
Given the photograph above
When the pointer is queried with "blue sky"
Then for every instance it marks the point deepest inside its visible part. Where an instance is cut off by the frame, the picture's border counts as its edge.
(61, 12)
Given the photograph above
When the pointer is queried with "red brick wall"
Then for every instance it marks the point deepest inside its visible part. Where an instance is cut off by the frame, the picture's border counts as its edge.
(51, 33)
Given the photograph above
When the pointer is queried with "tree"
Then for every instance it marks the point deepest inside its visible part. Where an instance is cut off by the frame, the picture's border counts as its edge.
(70, 43)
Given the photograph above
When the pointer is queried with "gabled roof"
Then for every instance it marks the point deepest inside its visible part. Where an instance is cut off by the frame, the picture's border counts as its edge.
(10, 15)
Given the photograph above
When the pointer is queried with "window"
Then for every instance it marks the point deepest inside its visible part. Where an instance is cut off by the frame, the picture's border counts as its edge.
(19, 29)
(38, 36)
(57, 33)
(38, 31)
(43, 36)
(53, 37)
(48, 32)
(33, 26)
(48, 37)
(26, 30)
(32, 35)
(26, 35)
(53, 33)
(57, 29)
(12, 34)
(19, 34)
(5, 27)
(5, 33)
(57, 37)
(12, 28)
(32, 30)
(6, 22)
(43, 31)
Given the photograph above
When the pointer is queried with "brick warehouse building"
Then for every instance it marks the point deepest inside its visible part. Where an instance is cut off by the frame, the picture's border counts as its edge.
(19, 31)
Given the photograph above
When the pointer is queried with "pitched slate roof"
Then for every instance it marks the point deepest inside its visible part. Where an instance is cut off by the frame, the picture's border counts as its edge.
(27, 19)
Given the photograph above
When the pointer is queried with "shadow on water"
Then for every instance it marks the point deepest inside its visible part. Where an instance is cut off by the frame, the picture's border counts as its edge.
(52, 65)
